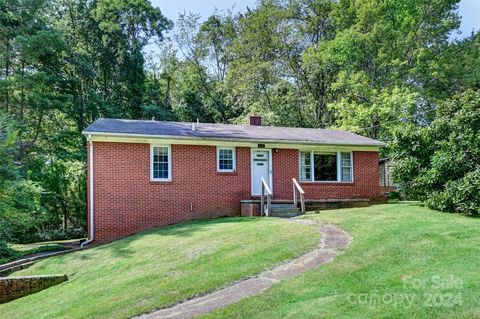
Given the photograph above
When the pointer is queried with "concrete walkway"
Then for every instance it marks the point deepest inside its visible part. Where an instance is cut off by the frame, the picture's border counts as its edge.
(333, 241)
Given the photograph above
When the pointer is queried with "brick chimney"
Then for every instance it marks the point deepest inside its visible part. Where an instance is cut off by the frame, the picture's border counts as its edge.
(255, 120)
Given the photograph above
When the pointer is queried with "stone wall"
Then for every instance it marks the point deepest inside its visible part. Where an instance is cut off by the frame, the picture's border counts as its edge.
(16, 287)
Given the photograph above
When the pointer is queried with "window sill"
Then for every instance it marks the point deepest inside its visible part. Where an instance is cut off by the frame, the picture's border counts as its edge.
(160, 182)
(226, 173)
(327, 183)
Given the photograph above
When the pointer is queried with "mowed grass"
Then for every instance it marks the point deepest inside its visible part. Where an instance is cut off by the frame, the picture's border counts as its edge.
(159, 268)
(405, 261)
(25, 250)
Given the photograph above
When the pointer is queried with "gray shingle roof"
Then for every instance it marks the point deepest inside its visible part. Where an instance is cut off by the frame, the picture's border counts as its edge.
(228, 132)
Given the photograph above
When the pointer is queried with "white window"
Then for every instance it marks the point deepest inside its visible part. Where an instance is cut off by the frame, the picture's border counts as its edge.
(225, 159)
(160, 163)
(305, 166)
(346, 167)
(326, 166)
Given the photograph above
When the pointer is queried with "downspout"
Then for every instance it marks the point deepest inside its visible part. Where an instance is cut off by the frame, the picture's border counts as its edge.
(90, 239)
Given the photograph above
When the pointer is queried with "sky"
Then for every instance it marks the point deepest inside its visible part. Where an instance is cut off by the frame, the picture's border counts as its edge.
(469, 10)
(171, 8)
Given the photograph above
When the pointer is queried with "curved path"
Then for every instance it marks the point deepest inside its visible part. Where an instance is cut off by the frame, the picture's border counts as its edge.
(333, 241)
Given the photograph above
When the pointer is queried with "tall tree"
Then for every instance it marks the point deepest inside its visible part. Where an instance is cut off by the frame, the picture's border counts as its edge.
(127, 27)
(382, 48)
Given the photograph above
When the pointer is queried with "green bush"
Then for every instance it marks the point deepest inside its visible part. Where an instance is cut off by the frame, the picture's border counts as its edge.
(6, 253)
(394, 196)
(462, 196)
(60, 234)
(438, 163)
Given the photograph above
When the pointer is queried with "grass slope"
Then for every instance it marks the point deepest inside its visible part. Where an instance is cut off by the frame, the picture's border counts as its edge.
(405, 261)
(159, 268)
(20, 250)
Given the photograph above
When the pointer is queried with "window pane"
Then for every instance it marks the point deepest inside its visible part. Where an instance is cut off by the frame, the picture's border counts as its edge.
(346, 174)
(305, 158)
(305, 173)
(305, 169)
(345, 159)
(225, 159)
(160, 162)
(346, 164)
(325, 167)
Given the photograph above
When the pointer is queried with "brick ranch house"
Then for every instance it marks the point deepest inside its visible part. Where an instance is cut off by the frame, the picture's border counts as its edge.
(143, 174)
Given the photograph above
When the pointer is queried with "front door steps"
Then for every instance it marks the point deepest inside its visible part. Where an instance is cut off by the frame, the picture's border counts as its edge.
(285, 208)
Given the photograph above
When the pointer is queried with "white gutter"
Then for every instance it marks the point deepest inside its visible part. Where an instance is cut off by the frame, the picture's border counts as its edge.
(90, 239)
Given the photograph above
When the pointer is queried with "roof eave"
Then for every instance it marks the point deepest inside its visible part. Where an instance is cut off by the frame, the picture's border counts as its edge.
(86, 133)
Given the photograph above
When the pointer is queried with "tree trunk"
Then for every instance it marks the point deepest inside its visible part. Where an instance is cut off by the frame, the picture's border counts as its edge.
(320, 106)
(22, 90)
(65, 215)
(166, 100)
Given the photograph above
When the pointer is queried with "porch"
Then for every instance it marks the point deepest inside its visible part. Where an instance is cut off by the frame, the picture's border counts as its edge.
(265, 205)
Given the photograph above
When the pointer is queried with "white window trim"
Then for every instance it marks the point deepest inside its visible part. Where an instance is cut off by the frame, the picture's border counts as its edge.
(312, 170)
(169, 179)
(234, 151)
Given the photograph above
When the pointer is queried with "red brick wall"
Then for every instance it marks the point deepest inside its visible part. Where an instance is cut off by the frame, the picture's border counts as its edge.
(126, 201)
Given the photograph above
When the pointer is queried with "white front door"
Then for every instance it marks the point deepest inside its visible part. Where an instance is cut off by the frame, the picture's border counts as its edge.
(261, 167)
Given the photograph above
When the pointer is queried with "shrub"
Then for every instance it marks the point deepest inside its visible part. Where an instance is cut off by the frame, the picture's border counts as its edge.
(6, 253)
(461, 196)
(438, 163)
(60, 234)
(394, 196)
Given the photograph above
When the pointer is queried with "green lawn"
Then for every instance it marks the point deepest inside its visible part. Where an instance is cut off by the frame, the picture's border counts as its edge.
(405, 261)
(159, 268)
(22, 250)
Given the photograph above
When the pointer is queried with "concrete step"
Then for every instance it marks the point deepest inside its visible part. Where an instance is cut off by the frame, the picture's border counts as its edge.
(285, 214)
(285, 209)
(283, 205)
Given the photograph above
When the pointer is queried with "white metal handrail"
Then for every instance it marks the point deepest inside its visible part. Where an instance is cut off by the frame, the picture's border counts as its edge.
(266, 192)
(298, 189)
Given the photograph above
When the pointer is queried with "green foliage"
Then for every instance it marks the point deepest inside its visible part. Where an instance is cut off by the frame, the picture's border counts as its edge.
(63, 64)
(462, 195)
(6, 253)
(64, 184)
(439, 163)
(158, 113)
(60, 234)
(11, 252)
(19, 199)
